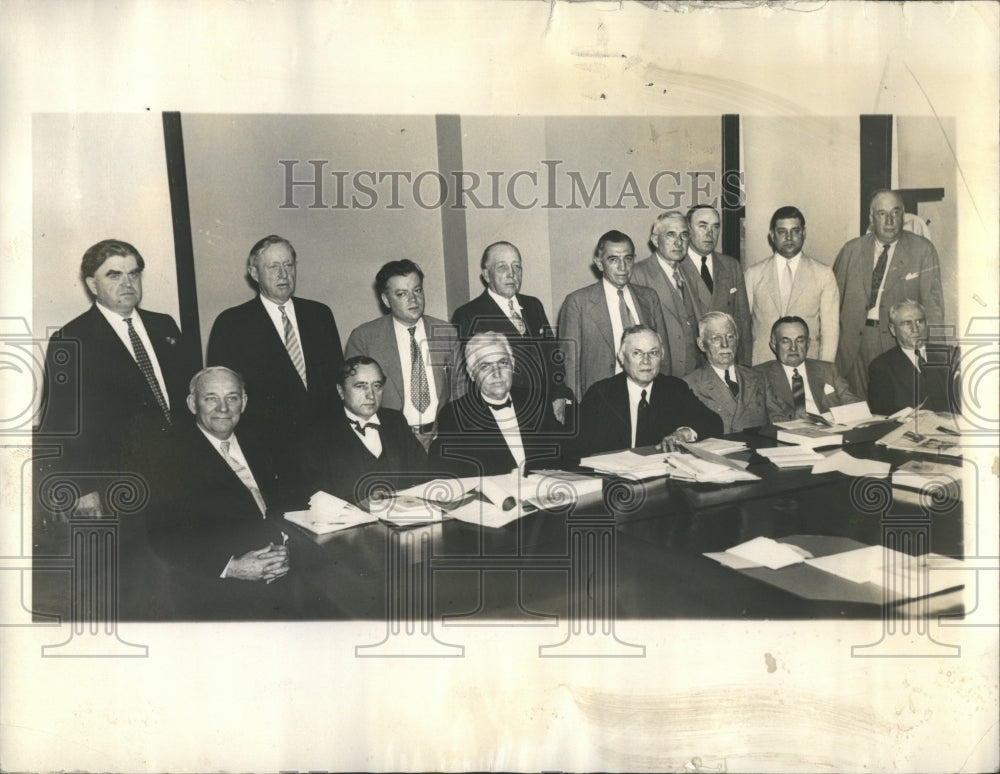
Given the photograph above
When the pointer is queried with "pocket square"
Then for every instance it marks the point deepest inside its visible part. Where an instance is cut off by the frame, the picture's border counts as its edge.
(911, 275)
(732, 290)
(828, 389)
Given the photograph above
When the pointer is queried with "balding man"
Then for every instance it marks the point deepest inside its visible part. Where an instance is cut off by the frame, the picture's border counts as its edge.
(662, 272)
(875, 272)
(501, 307)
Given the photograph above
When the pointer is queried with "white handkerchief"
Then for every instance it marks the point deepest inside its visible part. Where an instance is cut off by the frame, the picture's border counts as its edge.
(911, 275)
(828, 389)
(732, 290)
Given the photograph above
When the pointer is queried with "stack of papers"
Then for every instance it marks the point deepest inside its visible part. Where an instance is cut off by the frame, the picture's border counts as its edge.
(405, 510)
(791, 456)
(329, 514)
(927, 432)
(842, 462)
(807, 432)
(720, 446)
(628, 464)
(687, 467)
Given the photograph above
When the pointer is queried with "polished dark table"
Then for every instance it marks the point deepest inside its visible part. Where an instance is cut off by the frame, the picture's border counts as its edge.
(635, 552)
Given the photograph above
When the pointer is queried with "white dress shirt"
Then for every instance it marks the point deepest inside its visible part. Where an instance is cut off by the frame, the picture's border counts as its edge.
(781, 267)
(696, 260)
(873, 312)
(811, 406)
(614, 310)
(371, 438)
(275, 314)
(504, 304)
(402, 331)
(912, 356)
(721, 372)
(120, 327)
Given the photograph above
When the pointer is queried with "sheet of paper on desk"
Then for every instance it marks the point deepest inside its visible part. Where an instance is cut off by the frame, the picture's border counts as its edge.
(687, 467)
(477, 511)
(923, 474)
(805, 432)
(927, 432)
(769, 553)
(842, 462)
(721, 446)
(791, 456)
(442, 490)
(627, 464)
(328, 514)
(405, 510)
(906, 575)
(557, 488)
(851, 413)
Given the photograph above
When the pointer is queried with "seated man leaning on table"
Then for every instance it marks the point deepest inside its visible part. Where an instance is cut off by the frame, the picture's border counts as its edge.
(797, 385)
(735, 392)
(640, 406)
(495, 428)
(228, 559)
(914, 372)
(364, 445)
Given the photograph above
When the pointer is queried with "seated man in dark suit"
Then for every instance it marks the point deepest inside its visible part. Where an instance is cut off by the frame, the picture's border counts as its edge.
(228, 559)
(641, 406)
(735, 392)
(364, 445)
(502, 308)
(797, 385)
(914, 372)
(495, 427)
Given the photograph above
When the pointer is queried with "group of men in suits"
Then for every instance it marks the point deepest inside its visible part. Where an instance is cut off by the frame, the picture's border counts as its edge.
(653, 352)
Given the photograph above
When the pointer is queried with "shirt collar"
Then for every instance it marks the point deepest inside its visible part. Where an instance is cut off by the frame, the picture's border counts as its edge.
(800, 368)
(504, 303)
(722, 372)
(635, 391)
(405, 329)
(113, 317)
(233, 443)
(355, 418)
(274, 311)
(696, 256)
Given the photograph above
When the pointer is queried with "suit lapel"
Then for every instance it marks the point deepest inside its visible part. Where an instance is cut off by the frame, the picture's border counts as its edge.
(816, 386)
(385, 341)
(269, 337)
(692, 275)
(123, 362)
(803, 279)
(502, 320)
(769, 277)
(597, 310)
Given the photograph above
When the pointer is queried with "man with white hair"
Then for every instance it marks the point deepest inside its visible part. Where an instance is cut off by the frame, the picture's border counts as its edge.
(495, 427)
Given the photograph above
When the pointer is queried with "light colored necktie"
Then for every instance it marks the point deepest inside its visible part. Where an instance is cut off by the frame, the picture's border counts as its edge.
(517, 319)
(420, 391)
(292, 345)
(877, 276)
(678, 280)
(786, 287)
(245, 476)
(623, 310)
(146, 366)
(921, 361)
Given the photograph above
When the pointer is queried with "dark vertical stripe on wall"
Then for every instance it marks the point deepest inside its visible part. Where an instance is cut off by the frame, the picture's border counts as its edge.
(456, 253)
(187, 291)
(731, 207)
(876, 159)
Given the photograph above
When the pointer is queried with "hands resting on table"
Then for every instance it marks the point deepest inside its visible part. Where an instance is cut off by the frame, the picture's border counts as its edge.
(266, 564)
(680, 435)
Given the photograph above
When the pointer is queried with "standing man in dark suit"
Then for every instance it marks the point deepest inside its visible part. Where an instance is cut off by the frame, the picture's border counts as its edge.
(874, 272)
(914, 373)
(364, 439)
(733, 391)
(418, 353)
(228, 558)
(287, 349)
(502, 308)
(662, 272)
(641, 406)
(495, 427)
(797, 385)
(593, 318)
(131, 373)
(718, 277)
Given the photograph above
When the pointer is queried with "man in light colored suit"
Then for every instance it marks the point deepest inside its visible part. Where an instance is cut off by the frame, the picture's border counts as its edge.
(797, 385)
(734, 392)
(418, 352)
(662, 272)
(718, 278)
(593, 318)
(790, 283)
(875, 272)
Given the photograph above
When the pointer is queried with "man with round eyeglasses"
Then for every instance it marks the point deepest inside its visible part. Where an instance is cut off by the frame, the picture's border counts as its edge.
(495, 427)
(734, 392)
(640, 406)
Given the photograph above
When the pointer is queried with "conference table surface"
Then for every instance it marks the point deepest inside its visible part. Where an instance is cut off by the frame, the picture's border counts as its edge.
(637, 552)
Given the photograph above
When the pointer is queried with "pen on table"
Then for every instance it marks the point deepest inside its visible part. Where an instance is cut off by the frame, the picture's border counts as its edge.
(947, 430)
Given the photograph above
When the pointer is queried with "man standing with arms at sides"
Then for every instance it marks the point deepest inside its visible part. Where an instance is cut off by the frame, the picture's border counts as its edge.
(796, 385)
(287, 349)
(417, 352)
(914, 373)
(791, 284)
(131, 373)
(641, 406)
(874, 272)
(718, 277)
(592, 319)
(662, 272)
(734, 392)
(502, 308)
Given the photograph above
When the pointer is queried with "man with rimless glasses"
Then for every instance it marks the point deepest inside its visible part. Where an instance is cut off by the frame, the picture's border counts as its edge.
(640, 406)
(495, 427)
(734, 392)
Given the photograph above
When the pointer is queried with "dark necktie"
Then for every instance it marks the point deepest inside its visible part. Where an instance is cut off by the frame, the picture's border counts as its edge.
(362, 427)
(734, 388)
(798, 394)
(420, 391)
(293, 347)
(921, 362)
(623, 310)
(517, 319)
(641, 412)
(146, 366)
(706, 277)
(878, 274)
(498, 406)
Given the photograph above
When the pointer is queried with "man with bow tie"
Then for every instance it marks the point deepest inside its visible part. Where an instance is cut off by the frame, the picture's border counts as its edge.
(495, 427)
(501, 307)
(365, 446)
(914, 373)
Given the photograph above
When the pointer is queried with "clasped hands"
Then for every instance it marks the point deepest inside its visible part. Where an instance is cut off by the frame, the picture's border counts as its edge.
(266, 564)
(671, 442)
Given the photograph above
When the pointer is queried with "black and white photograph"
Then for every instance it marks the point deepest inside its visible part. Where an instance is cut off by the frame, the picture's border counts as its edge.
(503, 385)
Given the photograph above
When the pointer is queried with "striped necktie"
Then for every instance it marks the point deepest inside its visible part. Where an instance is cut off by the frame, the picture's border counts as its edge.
(292, 345)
